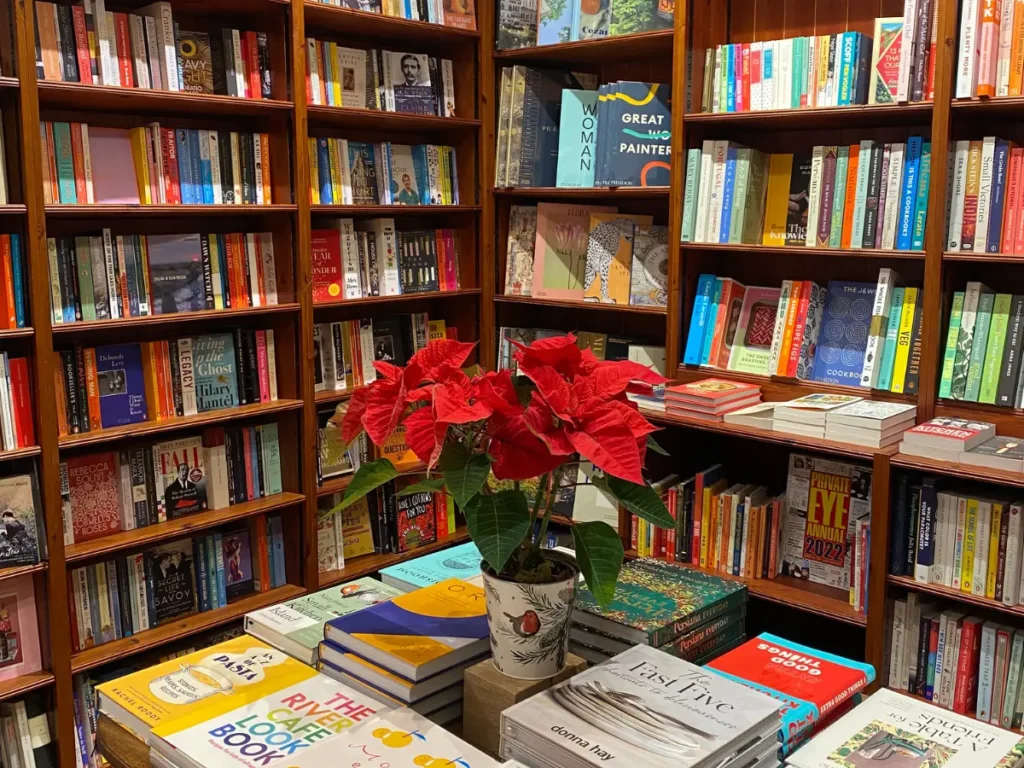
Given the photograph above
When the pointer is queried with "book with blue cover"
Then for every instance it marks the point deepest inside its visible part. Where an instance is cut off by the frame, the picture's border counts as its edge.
(121, 386)
(639, 147)
(908, 196)
(577, 134)
(728, 192)
(363, 171)
(709, 324)
(176, 273)
(698, 320)
(554, 22)
(213, 358)
(461, 562)
(845, 327)
(921, 203)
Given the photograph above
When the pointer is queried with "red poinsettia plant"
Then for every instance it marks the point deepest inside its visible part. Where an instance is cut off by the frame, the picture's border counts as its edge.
(473, 432)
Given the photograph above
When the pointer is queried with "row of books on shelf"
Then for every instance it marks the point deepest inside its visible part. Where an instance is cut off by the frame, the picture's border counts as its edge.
(377, 260)
(121, 597)
(857, 334)
(344, 352)
(604, 347)
(391, 81)
(981, 359)
(560, 129)
(837, 70)
(113, 491)
(957, 661)
(344, 172)
(149, 49)
(985, 197)
(868, 195)
(108, 277)
(121, 384)
(590, 253)
(25, 726)
(85, 164)
(990, 49)
(17, 425)
(527, 25)
(459, 16)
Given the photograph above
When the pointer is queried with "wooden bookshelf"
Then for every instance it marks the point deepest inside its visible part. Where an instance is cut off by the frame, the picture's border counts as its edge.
(367, 564)
(106, 98)
(19, 686)
(177, 319)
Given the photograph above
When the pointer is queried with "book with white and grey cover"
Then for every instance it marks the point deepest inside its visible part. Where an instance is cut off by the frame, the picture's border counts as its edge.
(871, 414)
(642, 708)
(891, 730)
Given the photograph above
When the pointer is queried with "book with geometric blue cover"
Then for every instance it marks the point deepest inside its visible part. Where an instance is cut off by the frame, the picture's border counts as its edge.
(461, 562)
(845, 327)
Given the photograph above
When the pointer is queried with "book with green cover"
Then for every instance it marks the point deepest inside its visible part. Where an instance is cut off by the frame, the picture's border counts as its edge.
(656, 601)
(835, 234)
(949, 354)
(65, 163)
(756, 198)
(297, 626)
(271, 458)
(965, 338)
(892, 332)
(994, 351)
(741, 183)
(82, 257)
(978, 349)
(690, 195)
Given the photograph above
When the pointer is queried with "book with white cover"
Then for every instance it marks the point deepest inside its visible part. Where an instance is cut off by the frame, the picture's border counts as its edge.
(642, 708)
(759, 415)
(903, 732)
(872, 414)
(812, 409)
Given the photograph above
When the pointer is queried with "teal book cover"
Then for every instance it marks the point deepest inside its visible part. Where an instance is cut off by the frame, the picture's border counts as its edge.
(577, 138)
(461, 562)
(709, 332)
(741, 183)
(65, 163)
(216, 371)
(835, 235)
(638, 142)
(662, 600)
(921, 204)
(981, 329)
(891, 338)
(272, 458)
(690, 195)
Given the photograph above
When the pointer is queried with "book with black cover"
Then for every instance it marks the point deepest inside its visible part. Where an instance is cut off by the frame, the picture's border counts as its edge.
(171, 586)
(387, 341)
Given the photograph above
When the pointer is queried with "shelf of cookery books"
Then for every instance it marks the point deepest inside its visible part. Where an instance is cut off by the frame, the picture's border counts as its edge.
(357, 24)
(955, 594)
(143, 101)
(378, 120)
(100, 210)
(172, 529)
(401, 298)
(794, 250)
(768, 436)
(146, 428)
(392, 210)
(855, 116)
(964, 471)
(177, 318)
(364, 565)
(641, 45)
(784, 388)
(116, 650)
(584, 193)
(584, 305)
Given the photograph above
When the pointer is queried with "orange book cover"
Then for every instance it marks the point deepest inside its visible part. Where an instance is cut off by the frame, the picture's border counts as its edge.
(725, 322)
(62, 405)
(787, 332)
(716, 512)
(726, 500)
(7, 311)
(78, 158)
(268, 188)
(1017, 51)
(142, 250)
(92, 391)
(851, 195)
(153, 402)
(245, 297)
(164, 372)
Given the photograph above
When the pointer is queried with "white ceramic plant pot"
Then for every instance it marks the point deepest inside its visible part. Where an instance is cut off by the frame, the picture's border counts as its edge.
(530, 624)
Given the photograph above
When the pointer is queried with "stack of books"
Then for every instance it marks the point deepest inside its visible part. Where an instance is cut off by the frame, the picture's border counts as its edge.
(999, 452)
(883, 725)
(461, 562)
(807, 415)
(628, 711)
(990, 43)
(818, 686)
(414, 647)
(697, 615)
(946, 439)
(577, 20)
(710, 399)
(873, 423)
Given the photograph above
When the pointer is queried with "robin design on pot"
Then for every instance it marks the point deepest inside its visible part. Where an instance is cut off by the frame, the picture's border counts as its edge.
(526, 625)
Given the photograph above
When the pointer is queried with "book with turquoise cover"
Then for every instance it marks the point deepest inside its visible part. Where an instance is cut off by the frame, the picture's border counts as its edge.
(981, 328)
(921, 203)
(297, 627)
(461, 562)
(949, 353)
(892, 332)
(811, 690)
(698, 319)
(420, 633)
(271, 458)
(213, 356)
(577, 134)
(656, 601)
(65, 162)
(709, 332)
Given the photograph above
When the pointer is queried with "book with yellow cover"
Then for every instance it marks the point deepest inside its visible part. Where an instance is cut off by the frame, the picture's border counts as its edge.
(397, 451)
(610, 256)
(776, 212)
(206, 683)
(418, 634)
(355, 529)
(903, 339)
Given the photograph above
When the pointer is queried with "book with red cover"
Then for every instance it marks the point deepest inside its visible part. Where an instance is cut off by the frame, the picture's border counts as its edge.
(92, 486)
(22, 393)
(711, 391)
(327, 275)
(810, 683)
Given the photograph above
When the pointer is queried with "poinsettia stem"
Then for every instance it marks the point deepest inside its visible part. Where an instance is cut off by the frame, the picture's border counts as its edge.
(552, 492)
(537, 500)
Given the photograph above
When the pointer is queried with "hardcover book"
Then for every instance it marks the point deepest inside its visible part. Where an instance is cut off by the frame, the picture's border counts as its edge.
(843, 338)
(415, 516)
(799, 200)
(297, 627)
(213, 357)
(357, 536)
(885, 60)
(560, 254)
(638, 137)
(649, 276)
(641, 708)
(461, 562)
(522, 240)
(554, 23)
(238, 568)
(656, 602)
(363, 170)
(610, 256)
(176, 273)
(93, 482)
(119, 380)
(577, 134)
(334, 458)
(410, 82)
(751, 351)
(325, 245)
(19, 651)
(170, 581)
(405, 186)
(180, 477)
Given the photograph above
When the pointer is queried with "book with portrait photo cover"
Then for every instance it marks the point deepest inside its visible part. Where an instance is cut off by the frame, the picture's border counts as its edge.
(119, 380)
(180, 478)
(407, 82)
(171, 586)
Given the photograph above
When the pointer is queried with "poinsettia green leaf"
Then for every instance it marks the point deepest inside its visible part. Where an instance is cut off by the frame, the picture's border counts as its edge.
(426, 485)
(599, 555)
(652, 445)
(498, 524)
(642, 500)
(368, 478)
(464, 473)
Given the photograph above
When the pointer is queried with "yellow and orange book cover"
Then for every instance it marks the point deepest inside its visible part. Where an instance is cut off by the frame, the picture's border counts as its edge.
(790, 326)
(610, 256)
(204, 684)
(780, 168)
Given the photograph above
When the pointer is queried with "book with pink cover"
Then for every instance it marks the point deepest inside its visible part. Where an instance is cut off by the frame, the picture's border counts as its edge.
(19, 628)
(560, 255)
(751, 351)
(113, 167)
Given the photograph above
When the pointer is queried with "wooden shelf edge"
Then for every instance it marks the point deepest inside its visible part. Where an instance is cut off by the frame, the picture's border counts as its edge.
(105, 98)
(367, 564)
(954, 594)
(14, 209)
(331, 396)
(334, 485)
(19, 686)
(390, 210)
(790, 388)
(146, 428)
(22, 570)
(380, 25)
(793, 250)
(583, 193)
(956, 469)
(858, 113)
(140, 538)
(191, 625)
(535, 301)
(20, 453)
(404, 297)
(994, 258)
(636, 46)
(405, 122)
(17, 333)
(99, 210)
(202, 316)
